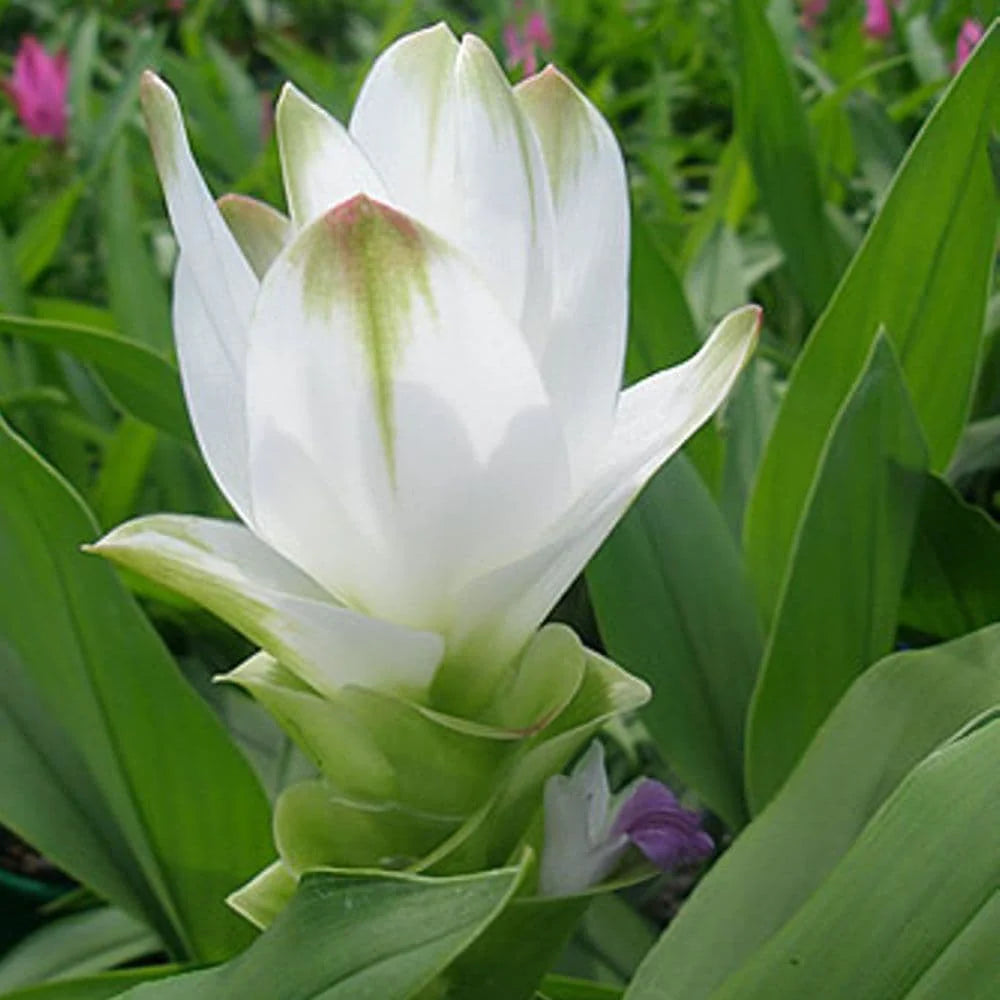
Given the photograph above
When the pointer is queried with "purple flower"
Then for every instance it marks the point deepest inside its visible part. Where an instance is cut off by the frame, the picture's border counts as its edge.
(812, 11)
(520, 42)
(968, 38)
(38, 89)
(878, 19)
(666, 832)
(587, 835)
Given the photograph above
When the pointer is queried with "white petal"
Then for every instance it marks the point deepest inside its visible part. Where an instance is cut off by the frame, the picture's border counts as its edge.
(321, 164)
(218, 299)
(583, 359)
(401, 439)
(214, 389)
(405, 120)
(224, 567)
(441, 124)
(260, 230)
(654, 419)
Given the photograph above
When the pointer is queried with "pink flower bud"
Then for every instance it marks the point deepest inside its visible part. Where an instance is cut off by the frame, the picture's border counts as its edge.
(878, 21)
(520, 43)
(38, 89)
(968, 38)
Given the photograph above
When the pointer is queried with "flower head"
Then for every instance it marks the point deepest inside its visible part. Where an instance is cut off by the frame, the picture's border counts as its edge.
(521, 41)
(408, 388)
(38, 87)
(587, 834)
(969, 36)
(878, 19)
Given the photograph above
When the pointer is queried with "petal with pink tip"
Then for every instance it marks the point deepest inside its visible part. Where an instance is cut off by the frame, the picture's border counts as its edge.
(439, 121)
(416, 412)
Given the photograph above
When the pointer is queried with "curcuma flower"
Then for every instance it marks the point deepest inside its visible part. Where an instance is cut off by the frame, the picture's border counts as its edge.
(587, 833)
(38, 86)
(408, 387)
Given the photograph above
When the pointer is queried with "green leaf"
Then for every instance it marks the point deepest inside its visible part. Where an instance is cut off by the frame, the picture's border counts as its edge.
(565, 988)
(111, 984)
(351, 935)
(121, 104)
(136, 291)
(76, 945)
(952, 585)
(41, 237)
(774, 131)
(144, 382)
(188, 821)
(840, 599)
(660, 585)
(893, 716)
(933, 853)
(535, 930)
(922, 272)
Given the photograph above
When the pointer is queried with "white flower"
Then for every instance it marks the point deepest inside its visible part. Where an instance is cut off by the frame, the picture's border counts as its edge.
(409, 389)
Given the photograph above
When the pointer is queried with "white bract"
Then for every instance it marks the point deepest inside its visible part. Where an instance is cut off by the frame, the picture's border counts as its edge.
(408, 390)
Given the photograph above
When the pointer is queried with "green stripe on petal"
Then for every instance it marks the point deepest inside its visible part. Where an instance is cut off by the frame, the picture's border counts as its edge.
(344, 263)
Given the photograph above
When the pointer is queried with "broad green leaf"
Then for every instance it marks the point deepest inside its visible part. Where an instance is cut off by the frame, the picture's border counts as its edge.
(774, 131)
(952, 585)
(181, 797)
(50, 797)
(136, 291)
(76, 945)
(354, 936)
(978, 449)
(673, 606)
(840, 599)
(534, 930)
(894, 715)
(565, 988)
(39, 240)
(144, 382)
(933, 854)
(922, 272)
(111, 984)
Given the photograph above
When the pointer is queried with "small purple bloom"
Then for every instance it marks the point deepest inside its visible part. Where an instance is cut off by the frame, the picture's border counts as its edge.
(520, 43)
(38, 88)
(666, 832)
(969, 36)
(587, 834)
(878, 19)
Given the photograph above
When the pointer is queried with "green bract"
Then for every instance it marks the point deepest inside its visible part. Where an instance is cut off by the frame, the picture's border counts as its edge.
(409, 393)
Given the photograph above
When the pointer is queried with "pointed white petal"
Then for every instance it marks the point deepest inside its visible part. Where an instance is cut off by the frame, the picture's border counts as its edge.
(387, 387)
(214, 389)
(224, 567)
(405, 120)
(321, 164)
(260, 230)
(655, 418)
(440, 123)
(583, 359)
(217, 292)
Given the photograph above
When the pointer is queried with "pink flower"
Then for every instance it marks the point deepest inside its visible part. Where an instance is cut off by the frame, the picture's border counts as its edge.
(38, 89)
(520, 44)
(878, 20)
(968, 38)
(812, 11)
